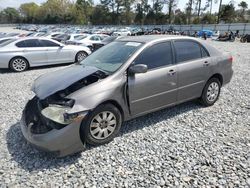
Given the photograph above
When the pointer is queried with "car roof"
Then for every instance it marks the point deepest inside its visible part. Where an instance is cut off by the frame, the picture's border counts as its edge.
(154, 38)
(151, 38)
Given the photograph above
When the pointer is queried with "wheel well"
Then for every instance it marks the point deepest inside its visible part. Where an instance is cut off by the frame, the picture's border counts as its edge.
(78, 53)
(116, 104)
(218, 76)
(19, 57)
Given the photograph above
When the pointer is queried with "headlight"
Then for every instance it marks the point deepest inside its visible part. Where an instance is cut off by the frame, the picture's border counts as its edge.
(59, 114)
(55, 113)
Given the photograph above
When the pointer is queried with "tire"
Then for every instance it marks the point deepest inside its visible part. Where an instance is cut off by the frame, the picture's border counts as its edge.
(94, 128)
(19, 64)
(80, 56)
(211, 92)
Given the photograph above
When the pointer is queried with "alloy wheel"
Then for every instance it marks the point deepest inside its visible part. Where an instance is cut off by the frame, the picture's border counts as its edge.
(81, 56)
(19, 64)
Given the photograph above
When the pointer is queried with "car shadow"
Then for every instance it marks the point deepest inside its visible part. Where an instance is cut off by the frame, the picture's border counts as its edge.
(31, 159)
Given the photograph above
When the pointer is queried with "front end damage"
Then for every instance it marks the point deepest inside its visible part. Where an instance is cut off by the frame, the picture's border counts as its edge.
(47, 122)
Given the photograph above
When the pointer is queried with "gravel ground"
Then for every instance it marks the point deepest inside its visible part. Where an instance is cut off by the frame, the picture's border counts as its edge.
(183, 146)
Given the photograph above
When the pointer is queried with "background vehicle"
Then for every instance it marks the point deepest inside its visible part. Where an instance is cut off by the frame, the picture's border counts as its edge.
(245, 38)
(105, 41)
(20, 54)
(125, 79)
(88, 40)
(209, 33)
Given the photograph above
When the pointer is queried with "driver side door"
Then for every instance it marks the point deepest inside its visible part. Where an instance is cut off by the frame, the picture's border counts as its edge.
(157, 88)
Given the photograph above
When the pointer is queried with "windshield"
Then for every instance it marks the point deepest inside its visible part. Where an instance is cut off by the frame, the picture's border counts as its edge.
(111, 57)
(80, 37)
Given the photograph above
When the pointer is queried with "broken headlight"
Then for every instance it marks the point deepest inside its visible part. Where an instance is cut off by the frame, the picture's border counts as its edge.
(59, 114)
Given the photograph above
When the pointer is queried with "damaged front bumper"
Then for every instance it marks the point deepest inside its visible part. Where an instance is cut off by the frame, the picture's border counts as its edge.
(62, 142)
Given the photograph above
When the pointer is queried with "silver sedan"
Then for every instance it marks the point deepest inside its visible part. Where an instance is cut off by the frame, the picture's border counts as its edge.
(20, 54)
(131, 77)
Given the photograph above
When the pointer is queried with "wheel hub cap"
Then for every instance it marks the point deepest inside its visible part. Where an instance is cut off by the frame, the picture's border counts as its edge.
(103, 125)
(212, 91)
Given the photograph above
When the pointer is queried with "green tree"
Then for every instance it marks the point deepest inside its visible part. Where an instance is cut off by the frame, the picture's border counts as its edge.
(29, 12)
(208, 18)
(171, 4)
(227, 13)
(10, 15)
(243, 6)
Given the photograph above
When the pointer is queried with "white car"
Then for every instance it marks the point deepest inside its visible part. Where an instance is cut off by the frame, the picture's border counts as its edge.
(121, 32)
(5, 39)
(53, 35)
(89, 40)
(20, 54)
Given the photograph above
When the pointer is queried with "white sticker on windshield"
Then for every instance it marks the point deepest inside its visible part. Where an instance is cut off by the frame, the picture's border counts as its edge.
(132, 44)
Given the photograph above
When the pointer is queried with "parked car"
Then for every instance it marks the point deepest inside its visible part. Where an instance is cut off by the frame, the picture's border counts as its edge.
(208, 33)
(245, 38)
(6, 39)
(20, 54)
(127, 78)
(121, 32)
(68, 37)
(105, 41)
(88, 40)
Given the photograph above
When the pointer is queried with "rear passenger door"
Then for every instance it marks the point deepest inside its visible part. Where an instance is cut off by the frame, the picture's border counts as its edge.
(157, 87)
(193, 65)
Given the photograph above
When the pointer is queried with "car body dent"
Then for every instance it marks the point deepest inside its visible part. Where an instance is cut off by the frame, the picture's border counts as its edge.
(50, 83)
(115, 87)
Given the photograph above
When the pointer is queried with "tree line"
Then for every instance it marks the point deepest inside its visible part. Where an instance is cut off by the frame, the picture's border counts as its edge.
(125, 12)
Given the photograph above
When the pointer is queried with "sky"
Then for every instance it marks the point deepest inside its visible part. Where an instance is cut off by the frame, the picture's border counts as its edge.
(181, 3)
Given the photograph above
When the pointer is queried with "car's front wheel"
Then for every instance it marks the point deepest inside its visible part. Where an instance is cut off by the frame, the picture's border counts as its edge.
(211, 92)
(102, 125)
(81, 56)
(18, 64)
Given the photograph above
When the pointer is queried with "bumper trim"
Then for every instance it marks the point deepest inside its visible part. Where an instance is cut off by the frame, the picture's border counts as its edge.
(65, 141)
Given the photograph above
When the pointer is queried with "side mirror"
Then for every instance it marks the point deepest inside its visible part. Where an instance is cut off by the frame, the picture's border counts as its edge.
(135, 69)
(61, 46)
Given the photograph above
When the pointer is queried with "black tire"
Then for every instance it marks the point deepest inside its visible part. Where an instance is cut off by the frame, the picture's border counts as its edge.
(205, 95)
(86, 127)
(19, 64)
(79, 55)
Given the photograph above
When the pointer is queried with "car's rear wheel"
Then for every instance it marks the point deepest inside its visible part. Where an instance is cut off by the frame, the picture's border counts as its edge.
(19, 64)
(81, 56)
(102, 125)
(211, 92)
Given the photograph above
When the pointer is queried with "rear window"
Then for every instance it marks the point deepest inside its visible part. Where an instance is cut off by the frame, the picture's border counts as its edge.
(48, 43)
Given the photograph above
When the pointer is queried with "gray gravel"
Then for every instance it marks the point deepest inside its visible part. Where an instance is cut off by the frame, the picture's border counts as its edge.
(184, 146)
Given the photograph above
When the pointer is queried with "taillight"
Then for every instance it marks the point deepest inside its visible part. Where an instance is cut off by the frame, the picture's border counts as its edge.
(231, 59)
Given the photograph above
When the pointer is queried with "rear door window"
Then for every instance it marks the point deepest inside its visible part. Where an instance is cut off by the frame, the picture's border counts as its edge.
(155, 56)
(29, 43)
(187, 50)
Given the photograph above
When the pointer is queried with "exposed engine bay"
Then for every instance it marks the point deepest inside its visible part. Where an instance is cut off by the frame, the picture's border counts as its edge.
(43, 115)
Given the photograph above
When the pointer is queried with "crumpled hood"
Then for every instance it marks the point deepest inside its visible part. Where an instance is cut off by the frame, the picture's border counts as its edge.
(50, 83)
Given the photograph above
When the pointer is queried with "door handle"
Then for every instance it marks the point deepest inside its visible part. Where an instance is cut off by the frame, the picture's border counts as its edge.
(206, 63)
(171, 72)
